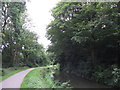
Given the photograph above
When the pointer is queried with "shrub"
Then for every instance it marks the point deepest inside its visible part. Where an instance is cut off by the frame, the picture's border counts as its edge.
(109, 76)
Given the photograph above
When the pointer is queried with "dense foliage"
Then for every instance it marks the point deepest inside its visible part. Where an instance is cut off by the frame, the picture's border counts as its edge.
(19, 45)
(86, 39)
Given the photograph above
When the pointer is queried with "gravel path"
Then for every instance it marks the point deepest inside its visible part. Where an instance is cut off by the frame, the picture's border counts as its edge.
(15, 80)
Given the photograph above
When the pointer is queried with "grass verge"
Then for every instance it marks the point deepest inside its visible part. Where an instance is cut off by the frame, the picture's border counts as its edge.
(41, 77)
(10, 74)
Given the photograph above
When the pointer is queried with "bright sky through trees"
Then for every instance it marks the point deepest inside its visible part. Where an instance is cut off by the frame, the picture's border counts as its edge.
(39, 13)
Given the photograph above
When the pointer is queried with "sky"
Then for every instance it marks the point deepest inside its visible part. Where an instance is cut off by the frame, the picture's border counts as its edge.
(40, 15)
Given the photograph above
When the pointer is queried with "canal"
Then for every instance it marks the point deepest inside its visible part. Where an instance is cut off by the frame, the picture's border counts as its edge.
(77, 82)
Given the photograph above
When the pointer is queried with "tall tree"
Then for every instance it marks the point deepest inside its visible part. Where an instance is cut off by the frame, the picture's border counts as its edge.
(12, 25)
(19, 46)
(91, 28)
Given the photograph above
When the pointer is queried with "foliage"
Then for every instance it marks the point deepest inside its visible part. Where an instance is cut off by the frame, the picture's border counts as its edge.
(85, 35)
(104, 75)
(19, 45)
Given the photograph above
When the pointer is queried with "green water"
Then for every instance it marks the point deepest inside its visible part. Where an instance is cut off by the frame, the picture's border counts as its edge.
(77, 82)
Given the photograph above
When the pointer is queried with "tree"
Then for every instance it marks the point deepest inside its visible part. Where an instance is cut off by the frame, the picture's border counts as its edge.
(20, 46)
(91, 28)
(12, 25)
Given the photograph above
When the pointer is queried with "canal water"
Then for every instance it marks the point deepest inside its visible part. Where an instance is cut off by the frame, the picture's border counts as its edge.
(77, 82)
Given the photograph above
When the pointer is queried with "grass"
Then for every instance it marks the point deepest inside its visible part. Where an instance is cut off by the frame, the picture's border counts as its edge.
(11, 73)
(40, 78)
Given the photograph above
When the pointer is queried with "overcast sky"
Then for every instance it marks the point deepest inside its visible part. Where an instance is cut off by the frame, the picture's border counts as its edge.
(39, 13)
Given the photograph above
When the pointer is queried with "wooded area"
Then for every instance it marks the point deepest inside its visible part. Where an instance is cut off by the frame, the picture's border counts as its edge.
(19, 45)
(85, 40)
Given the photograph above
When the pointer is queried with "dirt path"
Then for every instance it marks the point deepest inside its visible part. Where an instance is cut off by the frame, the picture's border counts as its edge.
(15, 80)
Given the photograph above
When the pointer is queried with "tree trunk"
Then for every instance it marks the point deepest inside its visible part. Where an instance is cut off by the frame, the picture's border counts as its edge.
(16, 56)
(93, 53)
(93, 57)
(118, 54)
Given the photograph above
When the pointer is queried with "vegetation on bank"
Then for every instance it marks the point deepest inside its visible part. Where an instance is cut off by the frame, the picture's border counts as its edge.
(7, 72)
(85, 39)
(42, 77)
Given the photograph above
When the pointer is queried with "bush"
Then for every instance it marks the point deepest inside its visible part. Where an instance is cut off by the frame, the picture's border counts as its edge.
(109, 76)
